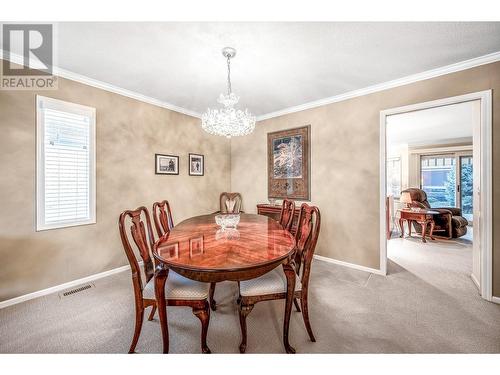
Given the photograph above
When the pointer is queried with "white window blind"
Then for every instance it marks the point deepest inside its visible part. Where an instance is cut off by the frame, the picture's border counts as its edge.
(65, 164)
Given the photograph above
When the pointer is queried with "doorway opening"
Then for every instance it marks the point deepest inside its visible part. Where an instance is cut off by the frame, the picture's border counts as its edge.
(436, 185)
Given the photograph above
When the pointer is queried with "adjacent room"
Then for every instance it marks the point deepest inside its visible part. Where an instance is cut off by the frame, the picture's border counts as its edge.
(250, 187)
(431, 182)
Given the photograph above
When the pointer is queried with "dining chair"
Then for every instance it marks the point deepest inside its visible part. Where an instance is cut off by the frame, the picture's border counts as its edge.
(164, 222)
(286, 215)
(179, 291)
(272, 285)
(162, 217)
(230, 203)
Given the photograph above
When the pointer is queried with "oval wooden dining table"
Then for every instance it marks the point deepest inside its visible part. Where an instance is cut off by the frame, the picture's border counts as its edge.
(199, 250)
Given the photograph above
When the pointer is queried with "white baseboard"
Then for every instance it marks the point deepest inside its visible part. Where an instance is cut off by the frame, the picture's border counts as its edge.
(350, 265)
(100, 275)
(475, 281)
(60, 287)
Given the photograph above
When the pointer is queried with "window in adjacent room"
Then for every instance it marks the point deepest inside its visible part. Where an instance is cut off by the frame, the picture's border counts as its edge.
(394, 177)
(65, 164)
(437, 176)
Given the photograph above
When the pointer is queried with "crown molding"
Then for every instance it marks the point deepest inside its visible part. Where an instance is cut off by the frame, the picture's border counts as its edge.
(63, 73)
(463, 65)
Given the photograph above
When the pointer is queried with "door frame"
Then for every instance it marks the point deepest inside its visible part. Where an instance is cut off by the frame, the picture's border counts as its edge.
(485, 193)
(458, 179)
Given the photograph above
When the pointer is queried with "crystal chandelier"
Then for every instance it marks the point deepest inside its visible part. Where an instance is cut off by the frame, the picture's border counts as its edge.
(228, 121)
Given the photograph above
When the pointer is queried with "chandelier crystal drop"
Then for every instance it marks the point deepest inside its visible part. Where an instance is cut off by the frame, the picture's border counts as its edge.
(228, 121)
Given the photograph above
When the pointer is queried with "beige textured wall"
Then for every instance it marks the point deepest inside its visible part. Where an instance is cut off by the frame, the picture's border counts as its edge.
(345, 162)
(129, 133)
(345, 175)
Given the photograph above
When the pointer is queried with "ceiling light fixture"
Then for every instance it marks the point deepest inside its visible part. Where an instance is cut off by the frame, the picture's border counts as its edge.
(228, 121)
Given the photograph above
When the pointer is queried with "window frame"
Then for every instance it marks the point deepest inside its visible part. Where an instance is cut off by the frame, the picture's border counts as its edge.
(43, 101)
(392, 159)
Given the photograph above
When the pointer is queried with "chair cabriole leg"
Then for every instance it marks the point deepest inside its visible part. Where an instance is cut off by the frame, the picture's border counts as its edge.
(244, 310)
(139, 317)
(160, 280)
(204, 315)
(152, 313)
(296, 303)
(305, 316)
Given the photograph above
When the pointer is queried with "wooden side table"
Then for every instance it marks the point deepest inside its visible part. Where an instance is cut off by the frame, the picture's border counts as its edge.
(422, 216)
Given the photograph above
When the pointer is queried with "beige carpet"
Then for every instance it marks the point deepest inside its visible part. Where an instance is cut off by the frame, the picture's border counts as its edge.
(427, 304)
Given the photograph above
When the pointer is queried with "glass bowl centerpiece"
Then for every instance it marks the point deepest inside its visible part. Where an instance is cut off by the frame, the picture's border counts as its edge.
(227, 220)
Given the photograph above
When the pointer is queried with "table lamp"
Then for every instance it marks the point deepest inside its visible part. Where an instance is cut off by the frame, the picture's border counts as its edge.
(406, 199)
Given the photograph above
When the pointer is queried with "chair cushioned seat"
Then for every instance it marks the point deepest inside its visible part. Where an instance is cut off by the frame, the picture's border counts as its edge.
(178, 287)
(270, 283)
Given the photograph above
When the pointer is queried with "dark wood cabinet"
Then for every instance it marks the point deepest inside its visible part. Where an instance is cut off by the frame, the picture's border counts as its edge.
(274, 211)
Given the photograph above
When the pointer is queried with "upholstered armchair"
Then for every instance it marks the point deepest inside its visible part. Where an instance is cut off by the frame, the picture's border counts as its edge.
(450, 222)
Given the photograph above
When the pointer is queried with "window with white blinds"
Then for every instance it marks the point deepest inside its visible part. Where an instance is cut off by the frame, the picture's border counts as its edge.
(65, 164)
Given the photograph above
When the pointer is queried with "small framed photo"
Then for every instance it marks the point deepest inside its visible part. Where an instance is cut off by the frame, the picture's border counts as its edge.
(166, 164)
(196, 165)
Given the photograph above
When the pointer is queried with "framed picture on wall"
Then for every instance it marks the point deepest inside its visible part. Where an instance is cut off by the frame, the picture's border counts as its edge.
(166, 164)
(288, 163)
(196, 164)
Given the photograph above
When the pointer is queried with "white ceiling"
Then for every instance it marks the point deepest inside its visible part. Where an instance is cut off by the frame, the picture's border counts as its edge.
(441, 125)
(278, 65)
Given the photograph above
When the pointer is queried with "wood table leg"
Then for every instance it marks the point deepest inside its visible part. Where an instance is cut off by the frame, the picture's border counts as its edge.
(431, 232)
(409, 227)
(161, 275)
(424, 230)
(402, 228)
(213, 303)
(290, 290)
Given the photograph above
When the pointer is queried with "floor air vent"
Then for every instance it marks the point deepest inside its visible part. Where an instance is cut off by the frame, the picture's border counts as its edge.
(76, 290)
